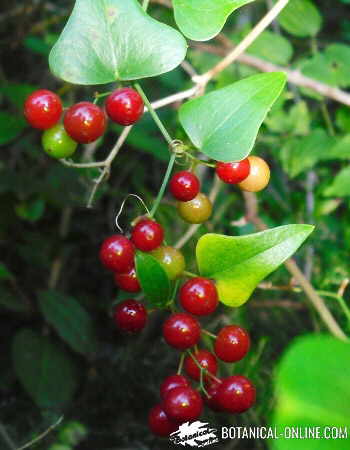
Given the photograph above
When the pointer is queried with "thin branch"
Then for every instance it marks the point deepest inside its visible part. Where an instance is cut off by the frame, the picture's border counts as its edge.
(294, 76)
(317, 301)
(42, 435)
(203, 80)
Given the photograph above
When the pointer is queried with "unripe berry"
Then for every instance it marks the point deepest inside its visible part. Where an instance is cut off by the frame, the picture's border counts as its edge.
(259, 175)
(172, 260)
(197, 210)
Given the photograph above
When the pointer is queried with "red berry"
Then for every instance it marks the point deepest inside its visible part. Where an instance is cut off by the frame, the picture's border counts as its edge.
(213, 400)
(206, 359)
(181, 331)
(85, 122)
(43, 109)
(172, 382)
(125, 106)
(147, 235)
(232, 343)
(199, 296)
(236, 394)
(184, 186)
(183, 404)
(159, 422)
(117, 253)
(127, 281)
(130, 315)
(233, 172)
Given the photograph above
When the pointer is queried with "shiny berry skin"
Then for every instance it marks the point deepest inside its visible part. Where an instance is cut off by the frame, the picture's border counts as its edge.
(127, 281)
(232, 343)
(172, 261)
(159, 422)
(259, 175)
(233, 172)
(181, 331)
(236, 394)
(43, 109)
(147, 235)
(172, 382)
(197, 210)
(85, 122)
(124, 106)
(130, 316)
(117, 253)
(57, 143)
(199, 296)
(184, 186)
(213, 401)
(183, 404)
(206, 359)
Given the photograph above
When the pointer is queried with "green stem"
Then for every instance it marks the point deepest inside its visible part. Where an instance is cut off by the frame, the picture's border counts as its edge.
(340, 299)
(6, 437)
(327, 118)
(145, 4)
(200, 161)
(154, 115)
(209, 334)
(202, 369)
(181, 363)
(189, 274)
(163, 186)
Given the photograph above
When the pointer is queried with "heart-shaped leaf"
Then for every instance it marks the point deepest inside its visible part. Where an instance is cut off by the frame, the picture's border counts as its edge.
(201, 20)
(44, 368)
(239, 263)
(312, 387)
(70, 320)
(153, 280)
(110, 40)
(224, 124)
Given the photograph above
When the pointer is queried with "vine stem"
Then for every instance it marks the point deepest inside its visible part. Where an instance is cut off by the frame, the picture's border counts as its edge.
(42, 435)
(154, 115)
(6, 437)
(181, 363)
(208, 333)
(202, 80)
(164, 184)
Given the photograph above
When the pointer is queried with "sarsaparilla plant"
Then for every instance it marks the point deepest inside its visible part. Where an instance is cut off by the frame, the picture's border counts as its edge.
(104, 42)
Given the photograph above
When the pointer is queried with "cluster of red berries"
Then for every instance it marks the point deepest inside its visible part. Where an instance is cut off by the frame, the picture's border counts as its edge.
(181, 330)
(180, 402)
(83, 122)
(117, 254)
(251, 174)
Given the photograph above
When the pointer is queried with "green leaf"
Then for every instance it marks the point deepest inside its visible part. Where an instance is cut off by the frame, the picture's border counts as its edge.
(10, 300)
(331, 66)
(340, 187)
(239, 263)
(224, 124)
(343, 118)
(31, 211)
(105, 41)
(300, 18)
(153, 279)
(201, 20)
(300, 154)
(312, 387)
(44, 369)
(5, 274)
(17, 93)
(10, 127)
(272, 47)
(340, 150)
(70, 320)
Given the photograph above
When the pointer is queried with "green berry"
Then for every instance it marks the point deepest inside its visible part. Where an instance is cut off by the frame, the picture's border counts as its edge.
(197, 210)
(171, 259)
(57, 143)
